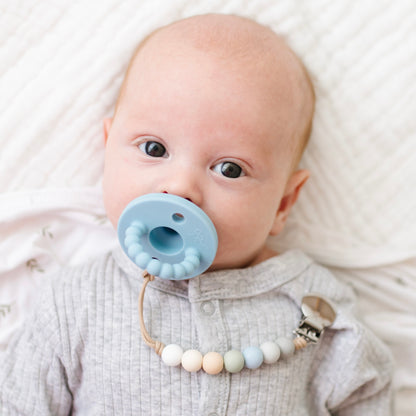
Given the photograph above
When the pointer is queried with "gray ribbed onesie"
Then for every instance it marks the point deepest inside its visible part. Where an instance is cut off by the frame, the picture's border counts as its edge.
(82, 351)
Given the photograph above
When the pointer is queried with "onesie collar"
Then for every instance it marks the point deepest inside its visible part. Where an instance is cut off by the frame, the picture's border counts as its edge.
(227, 284)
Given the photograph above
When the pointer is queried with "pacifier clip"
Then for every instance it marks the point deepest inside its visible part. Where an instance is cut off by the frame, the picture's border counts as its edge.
(317, 314)
(171, 238)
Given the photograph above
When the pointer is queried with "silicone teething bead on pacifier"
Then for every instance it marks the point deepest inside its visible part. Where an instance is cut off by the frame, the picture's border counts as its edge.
(168, 236)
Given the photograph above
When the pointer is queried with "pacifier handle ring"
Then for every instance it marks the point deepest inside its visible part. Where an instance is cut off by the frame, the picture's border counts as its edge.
(153, 265)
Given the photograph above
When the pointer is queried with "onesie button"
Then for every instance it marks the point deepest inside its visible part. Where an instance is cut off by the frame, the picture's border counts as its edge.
(208, 308)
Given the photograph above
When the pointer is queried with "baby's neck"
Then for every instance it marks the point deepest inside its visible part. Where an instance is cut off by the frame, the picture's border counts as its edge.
(265, 254)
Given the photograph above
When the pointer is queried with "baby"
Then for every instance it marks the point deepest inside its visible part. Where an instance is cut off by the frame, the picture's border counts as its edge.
(217, 110)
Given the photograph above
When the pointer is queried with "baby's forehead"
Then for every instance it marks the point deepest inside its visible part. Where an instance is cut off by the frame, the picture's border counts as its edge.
(228, 37)
(243, 45)
(247, 49)
(220, 32)
(243, 48)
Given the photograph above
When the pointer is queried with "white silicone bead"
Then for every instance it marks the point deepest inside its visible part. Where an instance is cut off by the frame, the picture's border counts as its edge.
(271, 352)
(192, 360)
(286, 345)
(172, 355)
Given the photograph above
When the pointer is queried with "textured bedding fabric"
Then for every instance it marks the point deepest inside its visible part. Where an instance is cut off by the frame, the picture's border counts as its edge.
(42, 231)
(61, 64)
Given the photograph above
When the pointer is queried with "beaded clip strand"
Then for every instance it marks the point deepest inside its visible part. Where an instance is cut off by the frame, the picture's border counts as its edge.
(156, 345)
(318, 314)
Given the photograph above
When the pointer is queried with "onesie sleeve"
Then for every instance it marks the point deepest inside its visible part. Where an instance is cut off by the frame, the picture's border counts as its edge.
(354, 375)
(351, 369)
(33, 378)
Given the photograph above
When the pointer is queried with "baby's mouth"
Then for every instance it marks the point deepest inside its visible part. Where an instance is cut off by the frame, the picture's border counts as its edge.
(168, 236)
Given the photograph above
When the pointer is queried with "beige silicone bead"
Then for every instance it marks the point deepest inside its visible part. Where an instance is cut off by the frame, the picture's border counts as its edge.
(192, 360)
(212, 363)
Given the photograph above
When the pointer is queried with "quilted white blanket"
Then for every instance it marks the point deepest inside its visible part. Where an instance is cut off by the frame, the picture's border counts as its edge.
(61, 64)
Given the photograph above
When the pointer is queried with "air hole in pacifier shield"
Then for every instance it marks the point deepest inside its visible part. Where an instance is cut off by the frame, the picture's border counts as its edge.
(166, 240)
(177, 217)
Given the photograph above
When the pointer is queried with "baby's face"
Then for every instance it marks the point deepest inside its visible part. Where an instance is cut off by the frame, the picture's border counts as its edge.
(195, 126)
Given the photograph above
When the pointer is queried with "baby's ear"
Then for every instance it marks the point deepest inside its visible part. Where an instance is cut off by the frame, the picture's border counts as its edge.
(290, 196)
(107, 126)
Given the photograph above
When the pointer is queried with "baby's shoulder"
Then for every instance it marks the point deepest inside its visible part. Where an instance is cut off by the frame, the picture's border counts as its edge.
(320, 279)
(73, 287)
(72, 290)
(84, 274)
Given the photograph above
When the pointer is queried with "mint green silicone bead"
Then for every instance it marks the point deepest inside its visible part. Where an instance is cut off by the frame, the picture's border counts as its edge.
(233, 361)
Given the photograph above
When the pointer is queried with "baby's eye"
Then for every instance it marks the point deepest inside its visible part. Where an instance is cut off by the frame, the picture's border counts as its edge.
(153, 149)
(229, 169)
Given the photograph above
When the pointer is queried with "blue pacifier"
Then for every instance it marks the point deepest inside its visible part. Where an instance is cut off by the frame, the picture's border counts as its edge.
(168, 236)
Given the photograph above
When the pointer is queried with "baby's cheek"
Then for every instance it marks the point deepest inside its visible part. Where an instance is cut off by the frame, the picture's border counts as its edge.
(237, 242)
(113, 207)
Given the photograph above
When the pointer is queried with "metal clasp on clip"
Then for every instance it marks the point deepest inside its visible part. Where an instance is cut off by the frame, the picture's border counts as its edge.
(317, 314)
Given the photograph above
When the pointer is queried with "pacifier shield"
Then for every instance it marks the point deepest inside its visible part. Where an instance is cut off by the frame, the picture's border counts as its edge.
(168, 236)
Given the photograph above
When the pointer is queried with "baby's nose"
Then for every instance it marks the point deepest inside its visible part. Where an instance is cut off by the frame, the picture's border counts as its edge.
(189, 199)
(185, 186)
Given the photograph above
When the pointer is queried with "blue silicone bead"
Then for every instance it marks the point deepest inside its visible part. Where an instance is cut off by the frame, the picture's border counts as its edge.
(166, 271)
(253, 357)
(131, 239)
(194, 260)
(142, 259)
(153, 267)
(191, 251)
(188, 266)
(134, 249)
(179, 271)
(139, 227)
